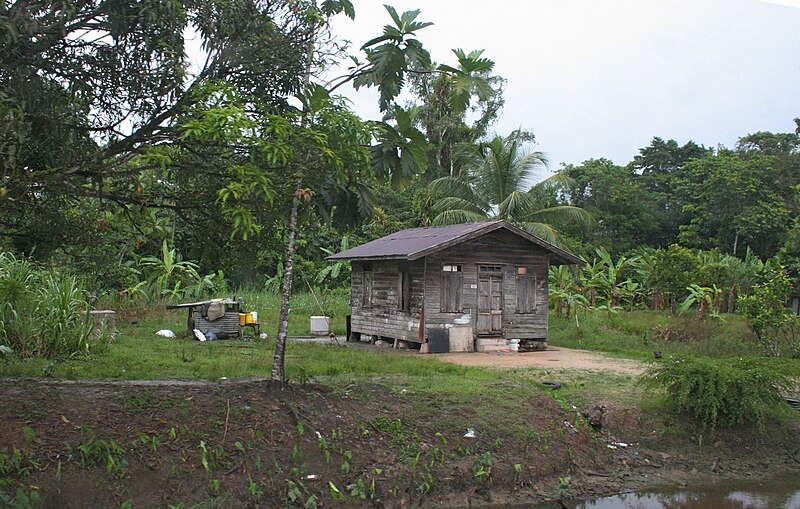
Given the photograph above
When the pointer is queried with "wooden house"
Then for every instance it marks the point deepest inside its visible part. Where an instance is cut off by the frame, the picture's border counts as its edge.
(409, 284)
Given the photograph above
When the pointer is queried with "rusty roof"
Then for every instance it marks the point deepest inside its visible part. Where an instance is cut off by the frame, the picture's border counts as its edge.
(419, 242)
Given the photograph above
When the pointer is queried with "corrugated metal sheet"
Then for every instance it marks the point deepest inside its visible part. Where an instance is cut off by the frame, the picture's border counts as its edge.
(416, 242)
(404, 243)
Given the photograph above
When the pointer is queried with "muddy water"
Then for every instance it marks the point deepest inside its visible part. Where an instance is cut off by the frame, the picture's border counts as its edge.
(773, 494)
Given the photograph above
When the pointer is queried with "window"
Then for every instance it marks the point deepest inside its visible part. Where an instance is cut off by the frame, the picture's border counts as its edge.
(452, 280)
(403, 291)
(526, 291)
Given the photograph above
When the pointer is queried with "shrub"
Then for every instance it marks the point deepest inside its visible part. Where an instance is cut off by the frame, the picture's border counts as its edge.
(43, 313)
(766, 311)
(720, 392)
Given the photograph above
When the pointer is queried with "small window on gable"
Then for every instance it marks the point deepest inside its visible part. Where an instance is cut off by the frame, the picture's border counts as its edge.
(526, 291)
(452, 280)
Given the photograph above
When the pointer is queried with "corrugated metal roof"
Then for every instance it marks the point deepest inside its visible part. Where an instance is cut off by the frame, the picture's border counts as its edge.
(404, 243)
(417, 242)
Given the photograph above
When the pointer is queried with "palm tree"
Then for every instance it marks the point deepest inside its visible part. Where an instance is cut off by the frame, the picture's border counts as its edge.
(496, 184)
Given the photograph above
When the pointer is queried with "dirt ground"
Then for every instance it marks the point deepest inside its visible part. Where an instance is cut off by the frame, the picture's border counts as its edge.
(553, 357)
(236, 444)
(246, 443)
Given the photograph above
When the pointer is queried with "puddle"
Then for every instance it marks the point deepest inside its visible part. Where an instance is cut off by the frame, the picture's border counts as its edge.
(769, 494)
(772, 494)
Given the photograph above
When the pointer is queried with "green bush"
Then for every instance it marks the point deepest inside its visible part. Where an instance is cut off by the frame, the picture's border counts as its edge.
(720, 392)
(768, 314)
(43, 313)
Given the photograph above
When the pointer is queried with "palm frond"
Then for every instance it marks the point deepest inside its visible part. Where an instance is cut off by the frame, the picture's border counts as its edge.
(458, 217)
(456, 203)
(558, 181)
(461, 188)
(562, 214)
(544, 231)
(516, 205)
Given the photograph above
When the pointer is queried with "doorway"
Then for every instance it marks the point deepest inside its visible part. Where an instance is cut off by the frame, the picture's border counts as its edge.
(490, 300)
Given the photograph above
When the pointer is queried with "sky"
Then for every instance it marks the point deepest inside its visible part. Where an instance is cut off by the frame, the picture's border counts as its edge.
(598, 78)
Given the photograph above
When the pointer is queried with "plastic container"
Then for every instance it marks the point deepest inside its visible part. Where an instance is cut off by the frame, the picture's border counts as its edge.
(242, 318)
(319, 325)
(462, 320)
(251, 317)
(438, 341)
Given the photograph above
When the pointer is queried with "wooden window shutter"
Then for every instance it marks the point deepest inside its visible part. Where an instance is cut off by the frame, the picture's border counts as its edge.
(451, 292)
(526, 293)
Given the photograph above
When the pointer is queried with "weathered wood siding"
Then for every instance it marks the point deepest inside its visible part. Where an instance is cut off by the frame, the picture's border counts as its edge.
(502, 249)
(381, 315)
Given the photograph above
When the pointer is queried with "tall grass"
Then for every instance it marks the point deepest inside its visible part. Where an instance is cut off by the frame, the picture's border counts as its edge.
(639, 334)
(43, 313)
(333, 303)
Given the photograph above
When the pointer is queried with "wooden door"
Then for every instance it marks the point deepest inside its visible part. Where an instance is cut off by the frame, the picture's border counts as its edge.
(490, 300)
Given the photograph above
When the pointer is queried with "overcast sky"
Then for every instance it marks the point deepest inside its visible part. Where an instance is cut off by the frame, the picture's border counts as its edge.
(600, 78)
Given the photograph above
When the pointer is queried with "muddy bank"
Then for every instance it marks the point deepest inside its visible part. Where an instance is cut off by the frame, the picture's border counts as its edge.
(252, 444)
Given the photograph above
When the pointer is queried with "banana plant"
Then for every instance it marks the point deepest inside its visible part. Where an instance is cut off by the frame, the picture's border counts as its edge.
(593, 277)
(170, 273)
(333, 270)
(703, 296)
(630, 291)
(560, 281)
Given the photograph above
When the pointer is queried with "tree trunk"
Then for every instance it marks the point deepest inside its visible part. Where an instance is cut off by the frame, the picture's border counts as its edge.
(732, 299)
(701, 309)
(279, 361)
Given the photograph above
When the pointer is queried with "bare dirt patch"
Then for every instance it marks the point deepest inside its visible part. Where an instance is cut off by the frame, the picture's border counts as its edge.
(253, 444)
(553, 357)
(357, 443)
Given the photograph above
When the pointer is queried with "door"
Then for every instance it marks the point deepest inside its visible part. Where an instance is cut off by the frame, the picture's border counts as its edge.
(490, 299)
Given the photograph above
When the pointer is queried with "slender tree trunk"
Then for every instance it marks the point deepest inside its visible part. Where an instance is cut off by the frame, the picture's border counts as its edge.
(732, 299)
(279, 361)
(701, 309)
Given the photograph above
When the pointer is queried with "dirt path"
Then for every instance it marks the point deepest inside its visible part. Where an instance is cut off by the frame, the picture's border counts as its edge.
(553, 357)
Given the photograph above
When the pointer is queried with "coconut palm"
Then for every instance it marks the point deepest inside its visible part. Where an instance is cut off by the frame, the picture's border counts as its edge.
(496, 184)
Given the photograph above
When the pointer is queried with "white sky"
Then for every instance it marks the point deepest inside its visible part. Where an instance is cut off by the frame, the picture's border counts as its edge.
(597, 78)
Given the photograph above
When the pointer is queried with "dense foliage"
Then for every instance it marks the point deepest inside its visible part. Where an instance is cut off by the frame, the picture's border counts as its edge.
(776, 328)
(673, 278)
(721, 392)
(152, 176)
(726, 199)
(43, 313)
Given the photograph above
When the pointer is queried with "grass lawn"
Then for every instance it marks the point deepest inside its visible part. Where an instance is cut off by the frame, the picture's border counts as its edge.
(137, 353)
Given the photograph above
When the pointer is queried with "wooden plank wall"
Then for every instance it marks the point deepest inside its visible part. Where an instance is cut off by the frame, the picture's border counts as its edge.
(497, 248)
(382, 317)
